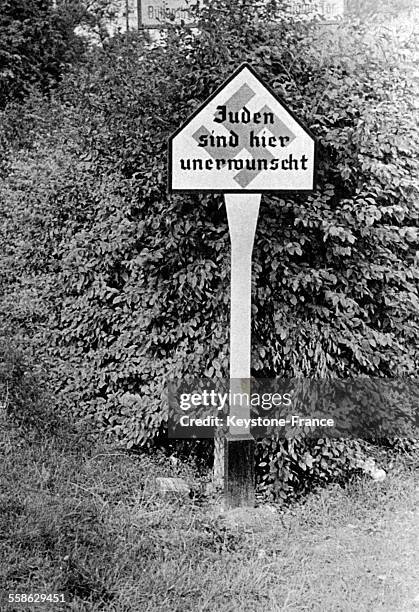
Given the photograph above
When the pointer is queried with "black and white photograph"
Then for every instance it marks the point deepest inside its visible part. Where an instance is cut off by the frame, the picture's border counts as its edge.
(209, 306)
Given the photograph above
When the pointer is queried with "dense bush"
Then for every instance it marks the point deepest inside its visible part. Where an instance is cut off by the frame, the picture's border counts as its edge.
(23, 395)
(138, 280)
(39, 41)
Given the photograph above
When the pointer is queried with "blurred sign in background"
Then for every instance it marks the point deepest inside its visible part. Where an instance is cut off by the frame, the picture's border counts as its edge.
(328, 9)
(153, 14)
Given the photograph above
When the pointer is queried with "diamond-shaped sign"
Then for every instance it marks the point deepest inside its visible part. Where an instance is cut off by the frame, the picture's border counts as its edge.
(242, 139)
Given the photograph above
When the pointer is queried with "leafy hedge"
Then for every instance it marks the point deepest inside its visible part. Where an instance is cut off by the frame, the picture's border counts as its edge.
(41, 39)
(37, 42)
(138, 280)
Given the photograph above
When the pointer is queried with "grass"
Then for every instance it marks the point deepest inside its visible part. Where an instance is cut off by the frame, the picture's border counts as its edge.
(87, 521)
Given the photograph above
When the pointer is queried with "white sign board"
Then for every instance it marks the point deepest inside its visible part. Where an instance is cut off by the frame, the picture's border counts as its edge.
(156, 13)
(329, 9)
(243, 139)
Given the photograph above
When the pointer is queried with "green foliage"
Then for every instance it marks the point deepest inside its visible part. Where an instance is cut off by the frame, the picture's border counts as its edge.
(89, 524)
(23, 396)
(287, 469)
(38, 43)
(137, 281)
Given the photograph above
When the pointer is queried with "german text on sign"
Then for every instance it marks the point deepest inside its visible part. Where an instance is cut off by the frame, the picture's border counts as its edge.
(243, 139)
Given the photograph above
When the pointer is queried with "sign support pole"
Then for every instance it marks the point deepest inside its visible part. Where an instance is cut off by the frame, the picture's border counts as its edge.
(242, 215)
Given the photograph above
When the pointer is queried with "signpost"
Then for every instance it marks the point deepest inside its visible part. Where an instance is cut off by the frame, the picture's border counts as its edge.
(242, 141)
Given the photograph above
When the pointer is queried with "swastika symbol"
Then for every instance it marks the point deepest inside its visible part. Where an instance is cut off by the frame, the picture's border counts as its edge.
(236, 103)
